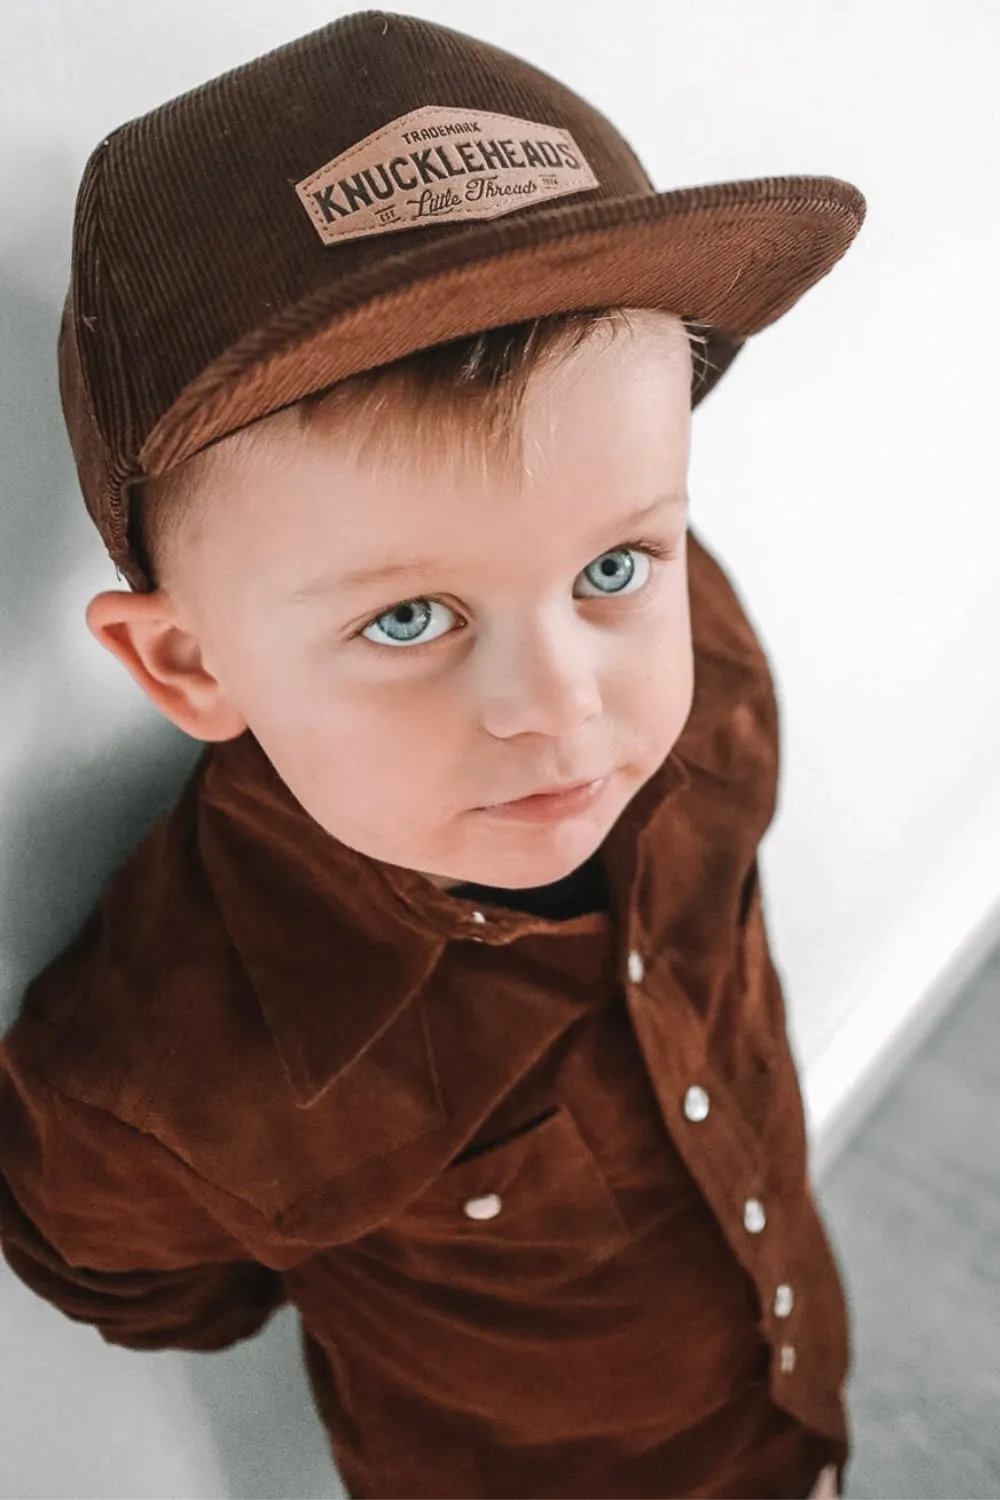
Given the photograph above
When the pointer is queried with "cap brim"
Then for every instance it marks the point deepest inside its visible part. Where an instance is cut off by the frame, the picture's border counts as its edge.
(734, 256)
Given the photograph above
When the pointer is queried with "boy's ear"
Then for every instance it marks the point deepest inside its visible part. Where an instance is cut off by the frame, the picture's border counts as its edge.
(165, 660)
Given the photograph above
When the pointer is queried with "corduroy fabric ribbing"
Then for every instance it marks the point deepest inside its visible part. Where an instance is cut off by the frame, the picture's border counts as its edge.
(270, 1068)
(202, 298)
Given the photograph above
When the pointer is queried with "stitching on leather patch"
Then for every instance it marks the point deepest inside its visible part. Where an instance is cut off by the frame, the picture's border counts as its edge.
(438, 164)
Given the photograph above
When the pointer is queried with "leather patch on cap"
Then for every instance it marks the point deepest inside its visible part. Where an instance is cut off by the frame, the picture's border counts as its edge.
(437, 164)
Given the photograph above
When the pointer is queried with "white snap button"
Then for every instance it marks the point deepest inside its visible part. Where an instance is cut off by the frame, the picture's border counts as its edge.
(486, 1207)
(477, 916)
(787, 1359)
(696, 1104)
(753, 1215)
(636, 967)
(783, 1301)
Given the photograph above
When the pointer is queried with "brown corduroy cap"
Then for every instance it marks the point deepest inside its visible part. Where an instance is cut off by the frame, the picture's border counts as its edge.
(378, 186)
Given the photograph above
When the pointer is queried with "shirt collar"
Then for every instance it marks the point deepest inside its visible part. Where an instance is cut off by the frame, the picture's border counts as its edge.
(335, 943)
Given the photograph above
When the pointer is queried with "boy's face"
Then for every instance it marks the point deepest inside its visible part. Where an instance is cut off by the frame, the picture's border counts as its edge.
(528, 643)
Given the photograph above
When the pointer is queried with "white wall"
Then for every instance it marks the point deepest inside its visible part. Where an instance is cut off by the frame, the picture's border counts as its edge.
(845, 473)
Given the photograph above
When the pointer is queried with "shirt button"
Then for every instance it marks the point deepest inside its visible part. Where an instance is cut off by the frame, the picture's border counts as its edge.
(696, 1103)
(636, 967)
(783, 1301)
(486, 1207)
(787, 1359)
(753, 1215)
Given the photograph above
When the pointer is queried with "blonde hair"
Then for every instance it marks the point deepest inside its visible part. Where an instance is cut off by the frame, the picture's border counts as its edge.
(466, 394)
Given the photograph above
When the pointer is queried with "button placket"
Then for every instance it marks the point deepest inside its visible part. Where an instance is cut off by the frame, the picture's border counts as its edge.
(696, 1106)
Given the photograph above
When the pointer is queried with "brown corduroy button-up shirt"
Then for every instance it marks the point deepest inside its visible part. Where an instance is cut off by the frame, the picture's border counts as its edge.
(536, 1184)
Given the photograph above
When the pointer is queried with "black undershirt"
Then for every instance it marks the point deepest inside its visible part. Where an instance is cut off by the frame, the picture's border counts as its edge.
(584, 889)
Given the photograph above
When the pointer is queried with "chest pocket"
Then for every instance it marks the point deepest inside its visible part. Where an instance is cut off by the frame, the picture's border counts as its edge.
(520, 1215)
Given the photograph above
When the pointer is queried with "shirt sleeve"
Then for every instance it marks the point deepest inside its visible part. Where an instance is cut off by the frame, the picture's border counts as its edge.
(103, 1222)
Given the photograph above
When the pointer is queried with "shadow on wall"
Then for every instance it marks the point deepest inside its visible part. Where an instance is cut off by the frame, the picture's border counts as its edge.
(267, 1432)
(39, 538)
(68, 815)
(73, 804)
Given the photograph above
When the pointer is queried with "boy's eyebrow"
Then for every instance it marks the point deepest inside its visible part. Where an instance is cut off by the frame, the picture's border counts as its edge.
(362, 576)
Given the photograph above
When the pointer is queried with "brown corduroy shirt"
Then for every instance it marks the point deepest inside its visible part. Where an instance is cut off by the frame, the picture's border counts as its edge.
(537, 1185)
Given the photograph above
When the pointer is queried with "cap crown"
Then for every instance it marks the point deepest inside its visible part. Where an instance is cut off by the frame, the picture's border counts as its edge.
(190, 233)
(380, 185)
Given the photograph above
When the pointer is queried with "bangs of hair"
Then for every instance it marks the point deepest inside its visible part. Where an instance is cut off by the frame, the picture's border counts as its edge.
(463, 398)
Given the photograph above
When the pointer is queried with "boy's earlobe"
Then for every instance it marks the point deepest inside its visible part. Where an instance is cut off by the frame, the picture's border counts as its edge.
(165, 661)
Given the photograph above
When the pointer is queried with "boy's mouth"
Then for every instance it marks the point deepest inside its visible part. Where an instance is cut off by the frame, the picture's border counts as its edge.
(543, 806)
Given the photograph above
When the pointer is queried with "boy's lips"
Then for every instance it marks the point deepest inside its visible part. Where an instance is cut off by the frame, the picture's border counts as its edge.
(540, 807)
(549, 791)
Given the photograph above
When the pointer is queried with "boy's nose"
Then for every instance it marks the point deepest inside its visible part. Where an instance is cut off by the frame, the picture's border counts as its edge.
(545, 687)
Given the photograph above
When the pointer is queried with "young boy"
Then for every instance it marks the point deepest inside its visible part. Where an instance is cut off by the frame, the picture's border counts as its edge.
(378, 364)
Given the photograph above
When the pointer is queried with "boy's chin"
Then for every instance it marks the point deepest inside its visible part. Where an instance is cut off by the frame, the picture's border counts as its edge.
(443, 882)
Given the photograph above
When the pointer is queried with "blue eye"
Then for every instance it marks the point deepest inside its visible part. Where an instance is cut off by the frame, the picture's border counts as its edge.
(610, 574)
(409, 619)
(616, 569)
